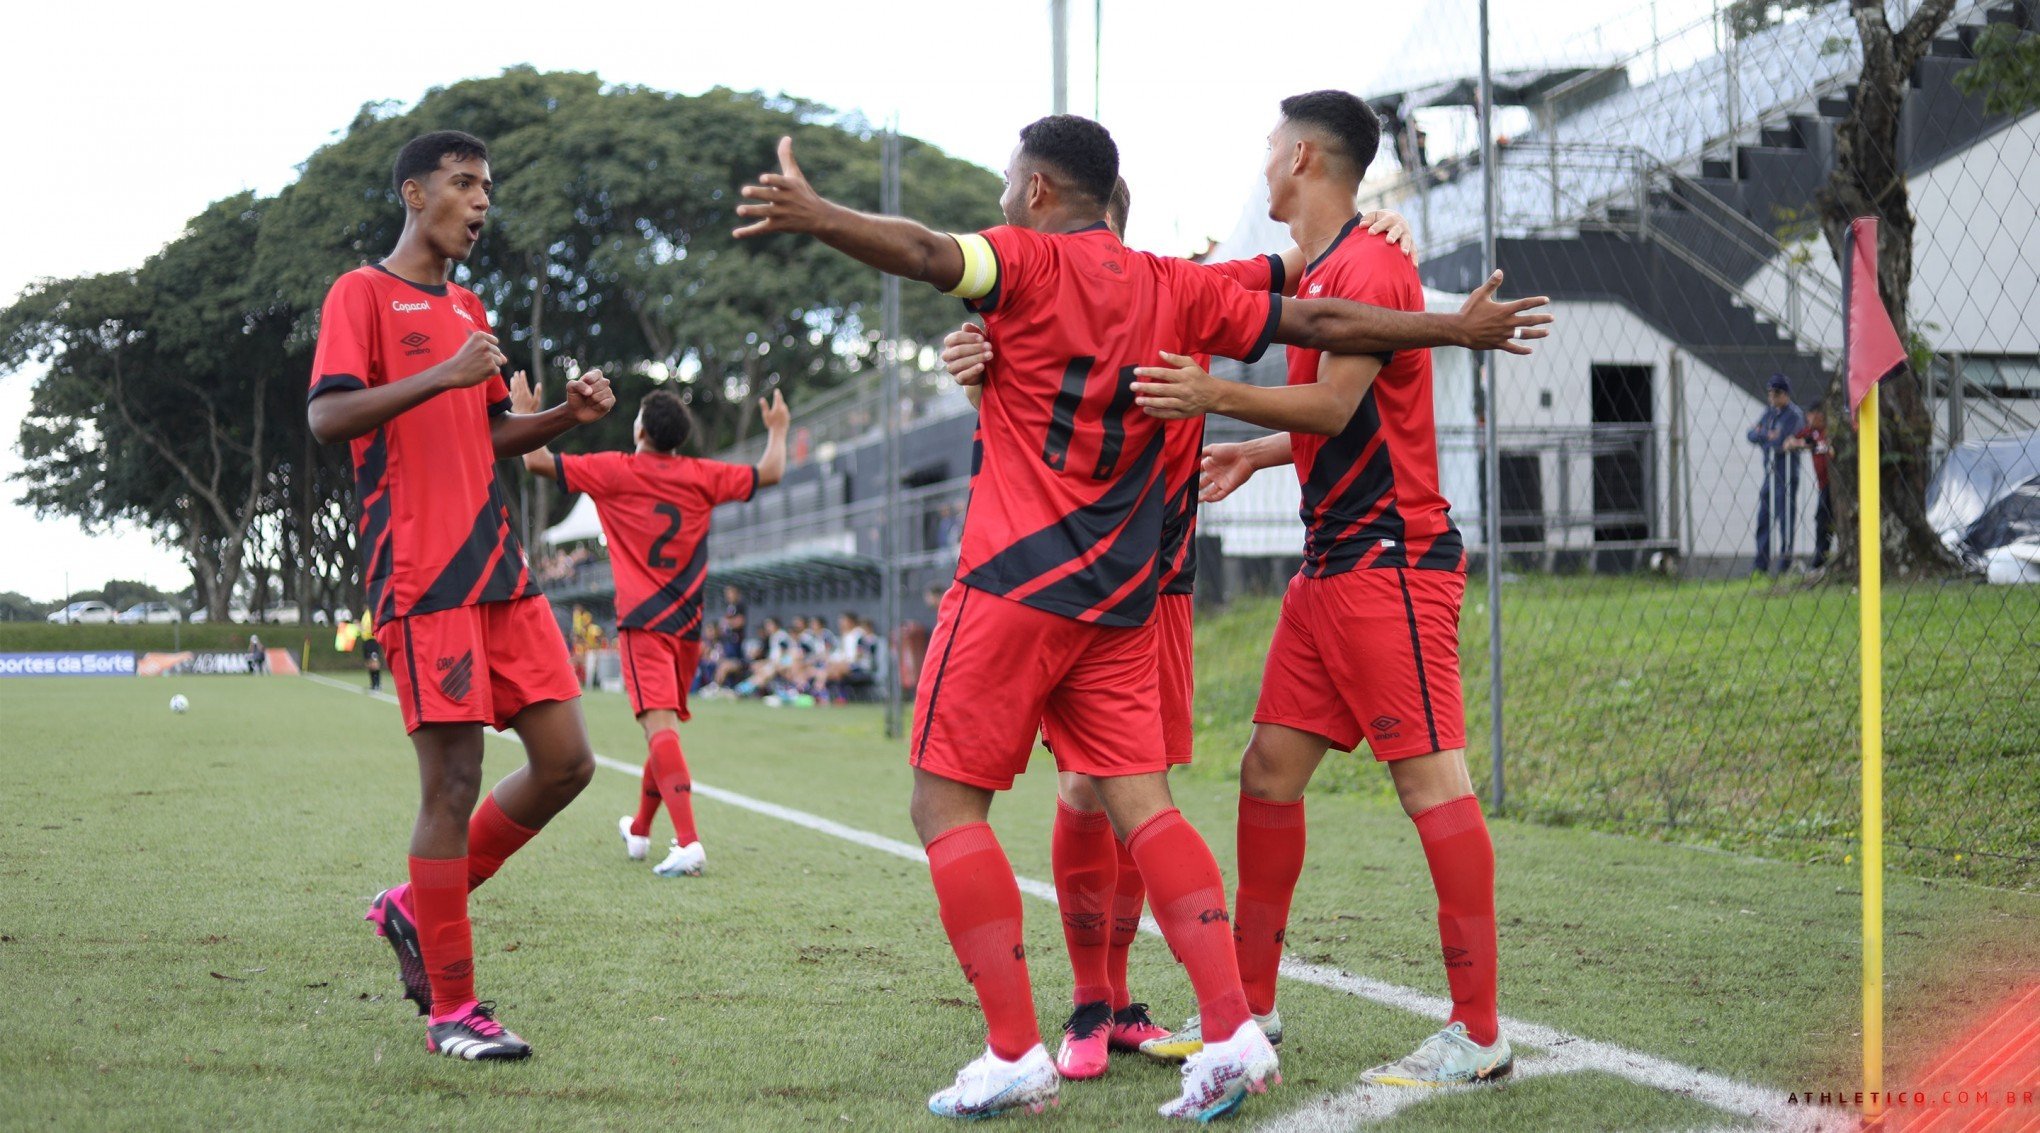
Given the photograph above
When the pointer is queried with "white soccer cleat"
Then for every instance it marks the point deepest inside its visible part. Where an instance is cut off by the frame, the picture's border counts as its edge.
(991, 1085)
(1219, 1077)
(684, 861)
(634, 847)
(1189, 1038)
(1448, 1058)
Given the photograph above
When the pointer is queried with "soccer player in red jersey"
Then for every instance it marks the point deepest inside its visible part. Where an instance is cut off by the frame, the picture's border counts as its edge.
(654, 504)
(408, 371)
(1099, 892)
(1049, 618)
(1367, 645)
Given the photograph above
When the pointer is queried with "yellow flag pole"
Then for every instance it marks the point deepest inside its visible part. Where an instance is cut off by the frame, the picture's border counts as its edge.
(1870, 558)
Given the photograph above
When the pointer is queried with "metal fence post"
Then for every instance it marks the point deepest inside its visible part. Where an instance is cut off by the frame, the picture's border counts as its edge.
(1489, 187)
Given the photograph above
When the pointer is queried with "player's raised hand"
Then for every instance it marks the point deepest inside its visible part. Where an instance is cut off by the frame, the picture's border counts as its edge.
(782, 201)
(1178, 390)
(965, 353)
(589, 397)
(1224, 468)
(524, 397)
(1490, 325)
(1390, 223)
(774, 411)
(478, 359)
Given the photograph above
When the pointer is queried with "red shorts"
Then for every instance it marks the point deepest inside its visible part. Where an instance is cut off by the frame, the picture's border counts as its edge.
(997, 669)
(658, 669)
(1173, 618)
(478, 664)
(1369, 654)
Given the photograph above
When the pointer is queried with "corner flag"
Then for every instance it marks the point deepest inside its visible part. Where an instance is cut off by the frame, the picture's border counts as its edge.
(1871, 353)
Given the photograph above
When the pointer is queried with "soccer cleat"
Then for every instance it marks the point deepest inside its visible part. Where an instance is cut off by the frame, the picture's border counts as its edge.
(472, 1033)
(393, 923)
(634, 846)
(1086, 1042)
(1131, 1028)
(1190, 1039)
(1448, 1058)
(1220, 1076)
(684, 861)
(991, 1085)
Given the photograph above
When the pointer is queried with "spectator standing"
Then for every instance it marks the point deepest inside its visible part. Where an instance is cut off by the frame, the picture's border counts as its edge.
(1778, 505)
(258, 657)
(1814, 439)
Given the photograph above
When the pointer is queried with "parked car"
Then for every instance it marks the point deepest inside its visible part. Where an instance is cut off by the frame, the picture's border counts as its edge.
(85, 613)
(234, 614)
(150, 613)
(281, 614)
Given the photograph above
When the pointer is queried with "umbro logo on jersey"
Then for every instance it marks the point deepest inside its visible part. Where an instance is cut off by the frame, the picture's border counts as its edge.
(457, 675)
(402, 307)
(416, 342)
(1113, 267)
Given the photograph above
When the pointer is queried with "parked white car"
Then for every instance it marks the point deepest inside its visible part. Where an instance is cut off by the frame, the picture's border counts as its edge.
(84, 613)
(234, 614)
(150, 613)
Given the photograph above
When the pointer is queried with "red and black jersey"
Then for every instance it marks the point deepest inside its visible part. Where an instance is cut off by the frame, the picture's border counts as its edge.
(1370, 494)
(1067, 494)
(655, 513)
(1183, 452)
(435, 531)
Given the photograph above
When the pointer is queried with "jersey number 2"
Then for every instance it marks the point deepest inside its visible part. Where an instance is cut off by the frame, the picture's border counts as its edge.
(658, 559)
(1062, 422)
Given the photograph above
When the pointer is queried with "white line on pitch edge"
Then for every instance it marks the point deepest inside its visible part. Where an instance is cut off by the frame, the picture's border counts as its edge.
(1559, 1051)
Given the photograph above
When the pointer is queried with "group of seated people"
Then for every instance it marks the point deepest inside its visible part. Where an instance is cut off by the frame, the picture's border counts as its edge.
(798, 662)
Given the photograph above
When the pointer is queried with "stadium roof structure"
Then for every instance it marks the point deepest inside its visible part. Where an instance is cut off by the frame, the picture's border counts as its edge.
(1512, 88)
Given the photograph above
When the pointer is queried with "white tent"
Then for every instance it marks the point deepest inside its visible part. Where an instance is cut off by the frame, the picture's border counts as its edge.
(579, 524)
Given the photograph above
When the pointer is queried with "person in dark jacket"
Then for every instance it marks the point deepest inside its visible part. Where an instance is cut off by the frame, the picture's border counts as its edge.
(1777, 506)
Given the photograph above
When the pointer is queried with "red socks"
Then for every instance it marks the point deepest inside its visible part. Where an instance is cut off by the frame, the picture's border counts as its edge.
(492, 837)
(648, 804)
(1271, 837)
(1127, 899)
(668, 771)
(1188, 896)
(1462, 862)
(1085, 861)
(439, 897)
(980, 905)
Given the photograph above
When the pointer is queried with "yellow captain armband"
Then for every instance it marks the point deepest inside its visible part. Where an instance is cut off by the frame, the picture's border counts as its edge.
(980, 267)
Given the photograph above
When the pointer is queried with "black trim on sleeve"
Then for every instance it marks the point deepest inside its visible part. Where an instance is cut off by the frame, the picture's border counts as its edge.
(1267, 332)
(333, 383)
(986, 305)
(499, 407)
(754, 485)
(1277, 274)
(560, 471)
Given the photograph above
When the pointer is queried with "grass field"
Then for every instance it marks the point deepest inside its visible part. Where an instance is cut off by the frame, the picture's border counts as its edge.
(181, 944)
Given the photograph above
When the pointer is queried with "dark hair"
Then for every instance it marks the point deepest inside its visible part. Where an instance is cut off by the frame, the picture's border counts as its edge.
(422, 154)
(667, 421)
(1120, 203)
(1076, 147)
(1352, 126)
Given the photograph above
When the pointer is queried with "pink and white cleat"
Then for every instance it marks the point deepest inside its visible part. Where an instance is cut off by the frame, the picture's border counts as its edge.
(1131, 1027)
(390, 913)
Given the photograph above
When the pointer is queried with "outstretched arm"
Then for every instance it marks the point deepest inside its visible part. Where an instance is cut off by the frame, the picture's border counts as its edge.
(785, 202)
(1182, 389)
(772, 466)
(1344, 327)
(589, 398)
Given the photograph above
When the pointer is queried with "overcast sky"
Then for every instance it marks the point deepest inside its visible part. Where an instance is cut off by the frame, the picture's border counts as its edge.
(124, 120)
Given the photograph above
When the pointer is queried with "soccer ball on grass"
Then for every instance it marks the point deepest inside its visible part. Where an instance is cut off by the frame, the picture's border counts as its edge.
(179, 705)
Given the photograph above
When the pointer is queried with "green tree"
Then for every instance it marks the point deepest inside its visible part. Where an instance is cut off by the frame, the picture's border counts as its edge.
(2006, 72)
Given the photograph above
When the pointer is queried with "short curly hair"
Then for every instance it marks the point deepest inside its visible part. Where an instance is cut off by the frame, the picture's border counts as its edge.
(422, 155)
(1352, 125)
(1076, 147)
(667, 422)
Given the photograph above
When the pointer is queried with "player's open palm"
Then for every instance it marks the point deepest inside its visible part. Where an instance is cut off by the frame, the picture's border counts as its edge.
(774, 411)
(1492, 325)
(782, 201)
(524, 397)
(589, 397)
(965, 352)
(1225, 468)
(478, 360)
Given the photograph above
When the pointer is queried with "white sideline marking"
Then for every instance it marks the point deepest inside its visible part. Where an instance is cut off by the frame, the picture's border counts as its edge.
(1559, 1051)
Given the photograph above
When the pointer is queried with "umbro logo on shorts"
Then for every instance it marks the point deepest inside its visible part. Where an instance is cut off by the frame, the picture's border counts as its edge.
(1385, 726)
(457, 676)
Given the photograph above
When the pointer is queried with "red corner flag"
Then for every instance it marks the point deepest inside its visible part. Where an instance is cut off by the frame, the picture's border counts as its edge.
(1871, 351)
